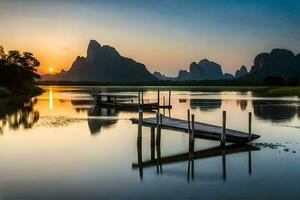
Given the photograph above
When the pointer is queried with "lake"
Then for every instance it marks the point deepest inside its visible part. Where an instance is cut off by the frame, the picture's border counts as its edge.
(59, 145)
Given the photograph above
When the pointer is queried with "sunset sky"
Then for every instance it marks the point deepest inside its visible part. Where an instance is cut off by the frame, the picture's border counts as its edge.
(165, 35)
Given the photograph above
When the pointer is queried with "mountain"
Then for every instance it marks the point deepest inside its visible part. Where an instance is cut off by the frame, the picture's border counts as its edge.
(241, 72)
(163, 77)
(277, 63)
(203, 70)
(212, 70)
(183, 75)
(228, 76)
(104, 64)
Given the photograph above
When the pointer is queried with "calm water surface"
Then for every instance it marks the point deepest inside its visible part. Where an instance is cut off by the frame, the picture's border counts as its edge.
(58, 145)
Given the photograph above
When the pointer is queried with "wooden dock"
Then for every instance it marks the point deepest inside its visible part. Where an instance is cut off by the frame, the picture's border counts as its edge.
(119, 101)
(198, 129)
(194, 130)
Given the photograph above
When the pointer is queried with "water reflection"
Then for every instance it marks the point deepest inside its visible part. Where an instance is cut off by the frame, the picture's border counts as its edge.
(18, 112)
(95, 123)
(206, 104)
(242, 103)
(190, 157)
(276, 111)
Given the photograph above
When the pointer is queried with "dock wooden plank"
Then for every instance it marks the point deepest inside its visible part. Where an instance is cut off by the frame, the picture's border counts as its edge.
(201, 130)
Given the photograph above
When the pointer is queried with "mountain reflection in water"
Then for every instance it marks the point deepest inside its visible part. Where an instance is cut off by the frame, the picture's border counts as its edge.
(206, 104)
(95, 124)
(274, 110)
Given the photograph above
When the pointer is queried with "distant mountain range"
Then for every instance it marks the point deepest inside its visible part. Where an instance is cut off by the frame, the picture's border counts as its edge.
(105, 64)
(278, 63)
(203, 70)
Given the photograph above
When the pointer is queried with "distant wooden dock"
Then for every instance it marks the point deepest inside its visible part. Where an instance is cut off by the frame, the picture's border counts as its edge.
(117, 101)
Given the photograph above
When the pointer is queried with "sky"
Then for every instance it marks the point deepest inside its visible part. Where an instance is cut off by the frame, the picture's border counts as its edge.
(165, 35)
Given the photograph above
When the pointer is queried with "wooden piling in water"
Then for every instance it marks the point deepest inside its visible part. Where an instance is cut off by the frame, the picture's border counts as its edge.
(142, 97)
(191, 136)
(152, 143)
(139, 98)
(140, 125)
(158, 98)
(223, 136)
(169, 98)
(158, 139)
(250, 124)
(164, 104)
(158, 129)
(188, 120)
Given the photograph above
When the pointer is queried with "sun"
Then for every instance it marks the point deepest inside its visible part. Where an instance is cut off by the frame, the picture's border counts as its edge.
(51, 70)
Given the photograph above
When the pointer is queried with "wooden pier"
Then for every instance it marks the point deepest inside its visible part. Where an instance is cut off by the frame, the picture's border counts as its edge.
(198, 129)
(117, 101)
(194, 130)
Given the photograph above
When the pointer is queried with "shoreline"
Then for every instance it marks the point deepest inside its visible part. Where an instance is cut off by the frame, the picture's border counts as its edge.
(259, 90)
(34, 91)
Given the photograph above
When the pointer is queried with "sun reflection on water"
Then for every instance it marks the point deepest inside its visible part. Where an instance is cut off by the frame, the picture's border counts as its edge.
(50, 98)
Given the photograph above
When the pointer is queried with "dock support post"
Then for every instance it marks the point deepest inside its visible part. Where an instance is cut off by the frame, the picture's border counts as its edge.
(139, 155)
(188, 119)
(164, 104)
(250, 123)
(140, 125)
(191, 147)
(139, 98)
(191, 135)
(158, 129)
(158, 98)
(158, 139)
(223, 136)
(152, 143)
(142, 97)
(169, 98)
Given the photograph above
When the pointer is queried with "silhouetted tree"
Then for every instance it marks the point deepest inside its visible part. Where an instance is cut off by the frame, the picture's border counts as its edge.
(18, 71)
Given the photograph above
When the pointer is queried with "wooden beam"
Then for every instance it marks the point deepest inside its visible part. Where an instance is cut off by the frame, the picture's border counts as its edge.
(158, 95)
(191, 135)
(158, 129)
(152, 143)
(169, 97)
(188, 121)
(223, 136)
(250, 124)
